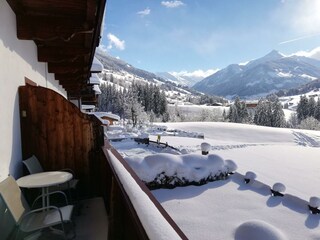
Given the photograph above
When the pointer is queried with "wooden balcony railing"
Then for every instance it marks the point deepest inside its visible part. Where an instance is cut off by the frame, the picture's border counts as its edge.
(125, 221)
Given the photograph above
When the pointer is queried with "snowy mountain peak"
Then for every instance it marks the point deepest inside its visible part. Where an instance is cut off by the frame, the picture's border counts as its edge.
(271, 56)
(274, 54)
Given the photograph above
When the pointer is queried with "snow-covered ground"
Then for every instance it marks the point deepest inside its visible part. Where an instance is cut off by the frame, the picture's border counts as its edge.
(231, 209)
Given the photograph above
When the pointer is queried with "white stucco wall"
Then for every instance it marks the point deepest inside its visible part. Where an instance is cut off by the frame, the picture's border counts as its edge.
(18, 59)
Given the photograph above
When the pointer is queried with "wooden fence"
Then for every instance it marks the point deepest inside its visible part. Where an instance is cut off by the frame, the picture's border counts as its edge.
(59, 134)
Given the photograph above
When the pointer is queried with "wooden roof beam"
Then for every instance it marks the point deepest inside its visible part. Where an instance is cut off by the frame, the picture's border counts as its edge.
(43, 28)
(54, 7)
(70, 76)
(63, 69)
(61, 54)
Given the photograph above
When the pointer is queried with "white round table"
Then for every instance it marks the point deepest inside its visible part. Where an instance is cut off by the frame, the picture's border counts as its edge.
(44, 180)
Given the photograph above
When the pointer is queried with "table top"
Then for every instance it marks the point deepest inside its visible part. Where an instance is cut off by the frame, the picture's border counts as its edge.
(44, 179)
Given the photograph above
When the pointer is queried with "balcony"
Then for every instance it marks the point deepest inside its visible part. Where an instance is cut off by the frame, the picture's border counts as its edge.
(61, 136)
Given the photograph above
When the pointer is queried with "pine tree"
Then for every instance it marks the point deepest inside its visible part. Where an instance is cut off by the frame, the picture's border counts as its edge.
(263, 113)
(302, 108)
(277, 117)
(233, 114)
(238, 112)
(311, 107)
(317, 110)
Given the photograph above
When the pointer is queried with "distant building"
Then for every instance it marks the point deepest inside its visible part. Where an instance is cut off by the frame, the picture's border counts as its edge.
(107, 116)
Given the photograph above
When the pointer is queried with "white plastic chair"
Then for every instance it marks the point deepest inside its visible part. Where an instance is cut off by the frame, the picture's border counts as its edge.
(28, 220)
(33, 165)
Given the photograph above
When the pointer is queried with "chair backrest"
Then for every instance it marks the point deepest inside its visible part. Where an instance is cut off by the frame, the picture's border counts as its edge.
(33, 165)
(13, 198)
(7, 222)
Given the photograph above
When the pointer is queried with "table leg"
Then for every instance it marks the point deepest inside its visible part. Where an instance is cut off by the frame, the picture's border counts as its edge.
(48, 197)
(43, 197)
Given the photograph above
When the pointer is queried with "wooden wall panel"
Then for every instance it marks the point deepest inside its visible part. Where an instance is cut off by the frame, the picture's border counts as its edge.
(58, 133)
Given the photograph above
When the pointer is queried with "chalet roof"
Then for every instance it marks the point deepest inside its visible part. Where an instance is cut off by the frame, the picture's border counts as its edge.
(96, 89)
(94, 79)
(107, 114)
(66, 34)
(96, 66)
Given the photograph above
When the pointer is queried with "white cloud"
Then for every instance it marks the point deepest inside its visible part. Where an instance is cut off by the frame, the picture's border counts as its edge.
(144, 12)
(172, 4)
(114, 41)
(195, 74)
(314, 53)
(301, 15)
(102, 48)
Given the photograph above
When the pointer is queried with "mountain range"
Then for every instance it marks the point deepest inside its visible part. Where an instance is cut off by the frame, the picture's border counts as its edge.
(122, 75)
(185, 78)
(260, 77)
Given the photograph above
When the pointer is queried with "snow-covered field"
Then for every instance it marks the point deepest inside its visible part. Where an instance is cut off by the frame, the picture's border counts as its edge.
(231, 209)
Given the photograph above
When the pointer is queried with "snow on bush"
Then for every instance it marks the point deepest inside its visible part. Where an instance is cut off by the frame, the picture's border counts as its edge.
(168, 170)
(314, 202)
(279, 187)
(231, 166)
(184, 151)
(143, 136)
(205, 147)
(249, 176)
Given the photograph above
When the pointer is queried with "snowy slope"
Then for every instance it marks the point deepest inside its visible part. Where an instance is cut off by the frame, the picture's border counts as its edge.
(231, 209)
(121, 74)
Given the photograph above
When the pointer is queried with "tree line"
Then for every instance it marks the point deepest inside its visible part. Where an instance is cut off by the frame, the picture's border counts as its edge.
(269, 112)
(139, 103)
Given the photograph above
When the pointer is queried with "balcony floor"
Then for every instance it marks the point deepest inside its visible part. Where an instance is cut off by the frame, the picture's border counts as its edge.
(90, 219)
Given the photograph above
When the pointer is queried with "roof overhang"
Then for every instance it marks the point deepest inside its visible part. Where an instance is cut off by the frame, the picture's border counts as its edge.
(66, 34)
(94, 79)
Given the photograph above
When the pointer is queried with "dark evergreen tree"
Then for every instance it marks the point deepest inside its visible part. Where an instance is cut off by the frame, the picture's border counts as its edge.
(277, 116)
(302, 108)
(233, 114)
(317, 110)
(311, 107)
(263, 113)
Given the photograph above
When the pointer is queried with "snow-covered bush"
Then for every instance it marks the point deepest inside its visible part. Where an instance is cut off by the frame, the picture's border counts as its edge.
(278, 189)
(205, 148)
(166, 170)
(314, 204)
(249, 177)
(231, 166)
(310, 123)
(184, 151)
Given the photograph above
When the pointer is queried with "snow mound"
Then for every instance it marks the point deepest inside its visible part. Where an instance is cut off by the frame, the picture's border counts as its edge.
(279, 187)
(205, 147)
(257, 229)
(231, 166)
(169, 170)
(314, 202)
(250, 175)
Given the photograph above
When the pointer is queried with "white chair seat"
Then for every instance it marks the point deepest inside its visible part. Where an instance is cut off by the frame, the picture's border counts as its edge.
(49, 218)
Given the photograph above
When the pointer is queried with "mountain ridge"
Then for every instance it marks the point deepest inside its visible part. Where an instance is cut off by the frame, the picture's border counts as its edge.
(262, 76)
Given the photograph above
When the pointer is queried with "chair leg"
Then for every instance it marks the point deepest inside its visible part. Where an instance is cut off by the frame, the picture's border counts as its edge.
(17, 234)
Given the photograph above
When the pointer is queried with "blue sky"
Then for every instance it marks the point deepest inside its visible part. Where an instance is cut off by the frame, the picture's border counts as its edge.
(191, 35)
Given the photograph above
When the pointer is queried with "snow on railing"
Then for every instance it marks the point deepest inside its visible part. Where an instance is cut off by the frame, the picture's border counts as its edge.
(155, 220)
